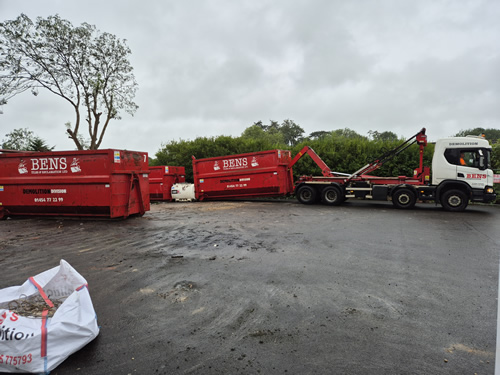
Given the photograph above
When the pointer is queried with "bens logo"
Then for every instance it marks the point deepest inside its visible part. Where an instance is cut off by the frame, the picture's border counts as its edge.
(48, 164)
(51, 165)
(238, 163)
(476, 176)
(75, 166)
(22, 167)
(235, 163)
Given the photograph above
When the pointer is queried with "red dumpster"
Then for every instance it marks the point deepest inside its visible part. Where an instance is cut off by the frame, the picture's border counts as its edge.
(161, 179)
(101, 183)
(257, 174)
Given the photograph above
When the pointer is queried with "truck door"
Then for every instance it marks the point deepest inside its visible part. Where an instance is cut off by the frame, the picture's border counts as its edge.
(471, 166)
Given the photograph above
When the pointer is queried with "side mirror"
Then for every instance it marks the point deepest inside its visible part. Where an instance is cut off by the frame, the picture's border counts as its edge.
(481, 163)
(482, 166)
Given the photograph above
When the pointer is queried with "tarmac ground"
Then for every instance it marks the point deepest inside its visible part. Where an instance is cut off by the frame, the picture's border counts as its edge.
(276, 287)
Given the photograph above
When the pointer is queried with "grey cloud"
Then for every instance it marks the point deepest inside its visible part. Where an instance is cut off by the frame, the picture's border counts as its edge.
(209, 68)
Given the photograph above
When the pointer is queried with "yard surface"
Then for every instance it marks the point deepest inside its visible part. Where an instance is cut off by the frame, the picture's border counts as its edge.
(275, 287)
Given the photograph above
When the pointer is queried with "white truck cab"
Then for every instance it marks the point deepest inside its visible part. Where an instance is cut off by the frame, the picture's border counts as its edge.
(464, 163)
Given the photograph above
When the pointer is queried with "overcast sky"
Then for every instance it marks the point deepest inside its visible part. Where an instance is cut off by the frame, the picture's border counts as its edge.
(208, 68)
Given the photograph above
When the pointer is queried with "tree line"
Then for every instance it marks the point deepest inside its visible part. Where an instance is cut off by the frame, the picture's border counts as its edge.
(343, 150)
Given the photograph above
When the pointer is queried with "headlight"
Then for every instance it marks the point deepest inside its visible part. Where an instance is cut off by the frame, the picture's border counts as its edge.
(489, 190)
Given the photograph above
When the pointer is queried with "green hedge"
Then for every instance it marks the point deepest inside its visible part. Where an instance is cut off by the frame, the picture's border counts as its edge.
(341, 154)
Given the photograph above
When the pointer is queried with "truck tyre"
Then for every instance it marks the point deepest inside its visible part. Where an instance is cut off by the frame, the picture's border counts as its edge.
(454, 200)
(332, 196)
(307, 194)
(404, 198)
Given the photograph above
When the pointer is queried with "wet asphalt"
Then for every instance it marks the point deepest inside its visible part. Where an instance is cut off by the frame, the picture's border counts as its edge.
(267, 287)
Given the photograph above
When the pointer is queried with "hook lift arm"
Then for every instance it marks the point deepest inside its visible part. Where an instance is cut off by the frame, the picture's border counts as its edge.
(419, 138)
(325, 170)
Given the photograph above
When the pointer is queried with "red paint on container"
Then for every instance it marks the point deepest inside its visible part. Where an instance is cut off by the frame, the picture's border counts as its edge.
(161, 179)
(97, 183)
(257, 174)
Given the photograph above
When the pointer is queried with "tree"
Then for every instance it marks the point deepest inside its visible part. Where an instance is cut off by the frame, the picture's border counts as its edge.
(286, 134)
(38, 144)
(319, 134)
(264, 133)
(24, 140)
(384, 136)
(18, 139)
(493, 135)
(292, 133)
(87, 68)
(347, 133)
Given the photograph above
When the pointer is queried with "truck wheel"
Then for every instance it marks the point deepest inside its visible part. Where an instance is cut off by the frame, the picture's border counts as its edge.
(454, 200)
(331, 196)
(404, 198)
(307, 195)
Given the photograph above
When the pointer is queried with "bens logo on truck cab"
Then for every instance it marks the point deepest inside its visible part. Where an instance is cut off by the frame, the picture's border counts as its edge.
(476, 176)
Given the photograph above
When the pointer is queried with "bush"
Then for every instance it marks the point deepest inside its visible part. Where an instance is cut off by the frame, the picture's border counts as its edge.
(341, 153)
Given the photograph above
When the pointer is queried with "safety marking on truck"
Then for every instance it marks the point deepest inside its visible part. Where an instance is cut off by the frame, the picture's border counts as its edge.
(1, 188)
(117, 156)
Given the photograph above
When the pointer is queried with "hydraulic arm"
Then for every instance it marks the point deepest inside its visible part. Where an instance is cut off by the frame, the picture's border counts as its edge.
(419, 138)
(325, 170)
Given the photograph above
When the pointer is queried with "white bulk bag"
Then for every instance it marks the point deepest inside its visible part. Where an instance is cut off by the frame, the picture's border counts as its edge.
(39, 344)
